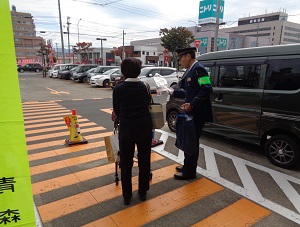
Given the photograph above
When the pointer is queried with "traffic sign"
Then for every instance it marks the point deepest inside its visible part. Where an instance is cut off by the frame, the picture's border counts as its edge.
(197, 43)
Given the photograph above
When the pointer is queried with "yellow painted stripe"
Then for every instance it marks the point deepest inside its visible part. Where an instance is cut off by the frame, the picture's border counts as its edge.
(66, 163)
(57, 128)
(155, 208)
(59, 134)
(109, 110)
(71, 204)
(46, 119)
(33, 147)
(38, 107)
(241, 213)
(45, 114)
(65, 150)
(60, 122)
(37, 103)
(56, 100)
(97, 98)
(34, 110)
(74, 178)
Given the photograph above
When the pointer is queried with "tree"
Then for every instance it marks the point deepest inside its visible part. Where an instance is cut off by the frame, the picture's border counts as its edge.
(118, 52)
(45, 48)
(83, 49)
(175, 38)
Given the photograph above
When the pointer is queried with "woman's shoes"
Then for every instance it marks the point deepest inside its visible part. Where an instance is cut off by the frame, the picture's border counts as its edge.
(127, 200)
(143, 196)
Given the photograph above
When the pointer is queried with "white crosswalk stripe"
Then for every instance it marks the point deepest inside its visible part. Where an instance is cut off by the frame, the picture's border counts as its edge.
(249, 189)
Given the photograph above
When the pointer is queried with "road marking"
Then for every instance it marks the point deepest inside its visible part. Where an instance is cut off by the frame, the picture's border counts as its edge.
(54, 92)
(77, 177)
(241, 213)
(58, 142)
(255, 196)
(59, 134)
(86, 199)
(162, 205)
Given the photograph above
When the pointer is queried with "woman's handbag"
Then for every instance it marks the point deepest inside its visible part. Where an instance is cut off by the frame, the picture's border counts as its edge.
(112, 146)
(186, 134)
(156, 112)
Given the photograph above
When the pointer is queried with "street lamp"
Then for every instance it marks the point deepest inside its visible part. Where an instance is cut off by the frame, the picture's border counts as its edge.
(196, 25)
(73, 47)
(101, 51)
(78, 29)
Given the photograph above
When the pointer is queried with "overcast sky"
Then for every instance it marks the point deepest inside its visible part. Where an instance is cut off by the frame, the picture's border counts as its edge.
(140, 19)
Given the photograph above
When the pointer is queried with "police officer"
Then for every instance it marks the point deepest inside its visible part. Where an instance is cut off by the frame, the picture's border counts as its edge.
(195, 86)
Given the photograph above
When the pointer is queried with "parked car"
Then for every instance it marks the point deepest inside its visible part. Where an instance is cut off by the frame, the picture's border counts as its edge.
(253, 100)
(148, 73)
(116, 78)
(100, 70)
(82, 78)
(53, 72)
(81, 69)
(31, 67)
(66, 74)
(103, 79)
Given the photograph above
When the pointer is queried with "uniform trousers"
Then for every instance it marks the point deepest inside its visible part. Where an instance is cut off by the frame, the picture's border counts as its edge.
(191, 161)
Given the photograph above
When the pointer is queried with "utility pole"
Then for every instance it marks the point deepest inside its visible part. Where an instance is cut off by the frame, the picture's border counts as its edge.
(61, 34)
(123, 53)
(257, 34)
(217, 26)
(56, 52)
(68, 30)
(78, 29)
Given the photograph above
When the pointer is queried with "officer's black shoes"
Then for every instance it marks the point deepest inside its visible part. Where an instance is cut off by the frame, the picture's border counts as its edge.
(179, 169)
(180, 176)
(127, 200)
(143, 196)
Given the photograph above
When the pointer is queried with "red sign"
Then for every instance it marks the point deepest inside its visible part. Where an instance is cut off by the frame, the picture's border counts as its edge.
(197, 43)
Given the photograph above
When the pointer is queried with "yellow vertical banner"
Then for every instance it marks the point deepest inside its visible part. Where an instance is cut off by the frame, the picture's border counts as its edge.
(16, 201)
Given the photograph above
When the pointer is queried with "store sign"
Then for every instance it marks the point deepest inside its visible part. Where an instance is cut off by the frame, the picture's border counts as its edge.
(222, 42)
(203, 41)
(208, 11)
(16, 201)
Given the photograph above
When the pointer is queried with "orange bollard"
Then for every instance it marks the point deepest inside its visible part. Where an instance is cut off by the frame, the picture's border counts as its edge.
(73, 127)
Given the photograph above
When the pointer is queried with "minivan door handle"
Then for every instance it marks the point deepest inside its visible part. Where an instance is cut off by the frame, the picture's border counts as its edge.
(218, 97)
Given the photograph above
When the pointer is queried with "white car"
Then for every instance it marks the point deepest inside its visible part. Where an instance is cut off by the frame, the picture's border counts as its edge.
(168, 73)
(102, 80)
(53, 72)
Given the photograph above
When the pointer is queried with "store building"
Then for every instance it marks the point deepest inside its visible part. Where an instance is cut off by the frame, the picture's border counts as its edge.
(274, 27)
(26, 42)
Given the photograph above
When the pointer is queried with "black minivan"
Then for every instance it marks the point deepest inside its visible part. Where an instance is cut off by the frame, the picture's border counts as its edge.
(255, 99)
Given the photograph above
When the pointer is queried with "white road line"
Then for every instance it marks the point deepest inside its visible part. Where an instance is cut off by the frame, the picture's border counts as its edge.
(288, 190)
(250, 191)
(247, 180)
(211, 164)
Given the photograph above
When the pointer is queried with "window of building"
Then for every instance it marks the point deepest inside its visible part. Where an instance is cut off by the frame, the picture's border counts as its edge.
(283, 75)
(147, 53)
(143, 52)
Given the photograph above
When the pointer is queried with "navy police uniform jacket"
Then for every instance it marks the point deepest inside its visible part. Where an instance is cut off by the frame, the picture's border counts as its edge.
(195, 87)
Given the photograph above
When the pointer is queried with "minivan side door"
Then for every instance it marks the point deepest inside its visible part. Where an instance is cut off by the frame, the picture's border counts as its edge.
(237, 98)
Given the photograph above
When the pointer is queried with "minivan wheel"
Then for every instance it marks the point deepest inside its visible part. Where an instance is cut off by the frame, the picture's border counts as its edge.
(283, 151)
(171, 119)
(84, 80)
(106, 83)
(37, 70)
(21, 70)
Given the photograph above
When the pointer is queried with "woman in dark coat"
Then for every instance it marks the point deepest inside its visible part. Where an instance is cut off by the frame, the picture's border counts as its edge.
(131, 106)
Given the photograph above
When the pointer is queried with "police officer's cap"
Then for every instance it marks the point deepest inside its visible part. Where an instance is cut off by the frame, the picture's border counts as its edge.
(183, 51)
